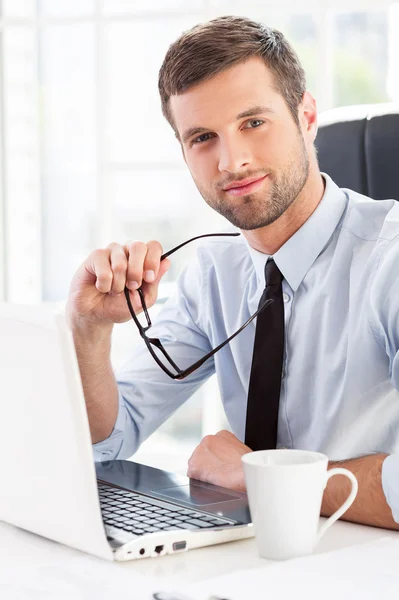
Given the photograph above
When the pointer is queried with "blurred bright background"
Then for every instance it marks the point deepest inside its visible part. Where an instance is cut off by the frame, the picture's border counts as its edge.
(86, 157)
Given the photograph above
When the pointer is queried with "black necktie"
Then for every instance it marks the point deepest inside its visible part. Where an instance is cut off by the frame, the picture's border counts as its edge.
(267, 365)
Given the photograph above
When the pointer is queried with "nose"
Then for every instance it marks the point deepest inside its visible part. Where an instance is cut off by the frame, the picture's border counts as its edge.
(233, 156)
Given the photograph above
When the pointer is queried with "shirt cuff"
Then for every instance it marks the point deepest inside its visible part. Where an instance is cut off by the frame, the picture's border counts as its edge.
(390, 483)
(109, 448)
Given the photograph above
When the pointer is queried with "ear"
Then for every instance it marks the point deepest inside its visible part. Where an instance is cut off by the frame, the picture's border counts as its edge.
(307, 114)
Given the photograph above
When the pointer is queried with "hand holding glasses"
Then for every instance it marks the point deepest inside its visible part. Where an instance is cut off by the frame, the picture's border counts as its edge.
(155, 342)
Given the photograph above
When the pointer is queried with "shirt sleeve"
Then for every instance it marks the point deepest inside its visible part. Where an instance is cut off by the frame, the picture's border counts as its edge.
(390, 483)
(147, 395)
(384, 323)
(384, 306)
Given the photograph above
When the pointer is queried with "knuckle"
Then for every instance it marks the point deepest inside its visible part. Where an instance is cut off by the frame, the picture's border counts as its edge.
(104, 280)
(100, 254)
(137, 246)
(113, 246)
(207, 441)
(104, 277)
(119, 268)
(224, 433)
(155, 246)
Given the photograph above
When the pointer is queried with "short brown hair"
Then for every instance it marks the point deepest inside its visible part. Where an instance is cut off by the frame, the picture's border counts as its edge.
(209, 48)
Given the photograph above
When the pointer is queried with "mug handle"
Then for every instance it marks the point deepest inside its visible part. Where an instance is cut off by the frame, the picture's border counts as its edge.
(350, 499)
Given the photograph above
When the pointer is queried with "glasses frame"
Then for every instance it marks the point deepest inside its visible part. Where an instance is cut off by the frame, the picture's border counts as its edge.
(150, 342)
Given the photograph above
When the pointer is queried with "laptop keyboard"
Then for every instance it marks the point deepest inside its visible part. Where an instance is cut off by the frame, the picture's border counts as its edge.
(139, 514)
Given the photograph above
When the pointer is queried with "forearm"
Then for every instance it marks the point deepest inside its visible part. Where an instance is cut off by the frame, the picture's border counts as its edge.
(370, 506)
(93, 350)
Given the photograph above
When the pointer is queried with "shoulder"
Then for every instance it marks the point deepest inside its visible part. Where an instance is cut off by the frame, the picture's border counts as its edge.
(223, 248)
(370, 219)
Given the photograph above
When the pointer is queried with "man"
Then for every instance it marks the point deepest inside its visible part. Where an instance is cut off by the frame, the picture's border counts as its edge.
(235, 94)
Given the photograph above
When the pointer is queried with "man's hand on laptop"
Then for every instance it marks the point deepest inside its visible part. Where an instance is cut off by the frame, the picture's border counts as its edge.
(96, 293)
(217, 460)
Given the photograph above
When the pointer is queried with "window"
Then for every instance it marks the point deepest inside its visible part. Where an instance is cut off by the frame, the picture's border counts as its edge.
(360, 59)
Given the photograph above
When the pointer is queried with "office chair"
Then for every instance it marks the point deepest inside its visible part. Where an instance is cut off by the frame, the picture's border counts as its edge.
(358, 146)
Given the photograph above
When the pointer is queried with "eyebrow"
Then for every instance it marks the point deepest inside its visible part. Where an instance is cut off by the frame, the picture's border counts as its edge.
(250, 112)
(255, 110)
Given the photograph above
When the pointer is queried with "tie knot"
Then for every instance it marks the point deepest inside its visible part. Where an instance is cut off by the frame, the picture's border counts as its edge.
(273, 275)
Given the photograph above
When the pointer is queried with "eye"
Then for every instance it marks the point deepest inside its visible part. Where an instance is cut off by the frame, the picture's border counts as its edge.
(204, 137)
(253, 123)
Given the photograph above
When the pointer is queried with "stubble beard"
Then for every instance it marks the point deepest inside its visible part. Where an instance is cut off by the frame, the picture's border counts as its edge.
(261, 209)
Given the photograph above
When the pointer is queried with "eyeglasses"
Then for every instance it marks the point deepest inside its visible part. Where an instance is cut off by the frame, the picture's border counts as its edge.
(155, 342)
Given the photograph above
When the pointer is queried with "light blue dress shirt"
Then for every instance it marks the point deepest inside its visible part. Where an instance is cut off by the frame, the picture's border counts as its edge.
(339, 392)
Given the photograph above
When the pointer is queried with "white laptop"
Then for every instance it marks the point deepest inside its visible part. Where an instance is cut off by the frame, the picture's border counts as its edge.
(117, 510)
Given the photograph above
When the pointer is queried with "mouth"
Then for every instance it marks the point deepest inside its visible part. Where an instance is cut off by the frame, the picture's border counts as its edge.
(245, 187)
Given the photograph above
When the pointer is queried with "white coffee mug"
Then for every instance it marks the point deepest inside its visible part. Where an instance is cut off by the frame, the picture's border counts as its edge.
(285, 491)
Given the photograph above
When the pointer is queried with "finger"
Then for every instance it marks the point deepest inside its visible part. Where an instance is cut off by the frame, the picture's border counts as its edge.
(136, 252)
(230, 437)
(98, 264)
(152, 261)
(227, 435)
(118, 262)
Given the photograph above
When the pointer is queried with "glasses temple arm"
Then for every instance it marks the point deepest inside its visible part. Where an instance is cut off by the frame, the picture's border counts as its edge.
(197, 238)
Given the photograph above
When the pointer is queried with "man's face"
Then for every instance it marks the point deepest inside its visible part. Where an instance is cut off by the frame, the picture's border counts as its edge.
(236, 127)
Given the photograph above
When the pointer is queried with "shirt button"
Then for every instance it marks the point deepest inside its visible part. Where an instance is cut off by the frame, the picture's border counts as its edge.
(286, 297)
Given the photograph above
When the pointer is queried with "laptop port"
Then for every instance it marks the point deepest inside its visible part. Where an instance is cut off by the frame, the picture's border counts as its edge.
(179, 546)
(158, 549)
(142, 551)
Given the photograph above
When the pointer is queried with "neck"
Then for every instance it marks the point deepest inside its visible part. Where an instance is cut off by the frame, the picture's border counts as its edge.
(270, 238)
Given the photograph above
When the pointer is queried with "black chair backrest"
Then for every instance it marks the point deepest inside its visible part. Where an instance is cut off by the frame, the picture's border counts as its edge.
(358, 146)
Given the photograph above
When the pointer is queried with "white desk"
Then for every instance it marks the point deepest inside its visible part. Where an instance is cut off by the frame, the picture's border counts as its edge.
(205, 563)
(21, 551)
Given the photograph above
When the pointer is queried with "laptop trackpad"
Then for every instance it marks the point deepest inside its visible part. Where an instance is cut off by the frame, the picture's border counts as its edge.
(196, 494)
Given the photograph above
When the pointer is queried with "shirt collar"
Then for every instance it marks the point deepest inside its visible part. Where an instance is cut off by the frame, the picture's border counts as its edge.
(297, 255)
